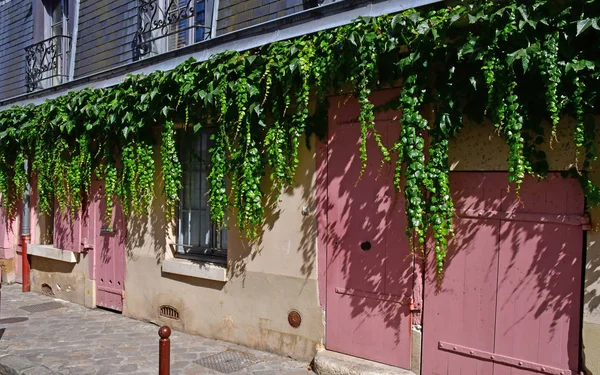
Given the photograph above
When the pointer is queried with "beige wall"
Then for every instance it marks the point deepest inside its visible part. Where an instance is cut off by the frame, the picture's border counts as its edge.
(591, 294)
(67, 280)
(264, 283)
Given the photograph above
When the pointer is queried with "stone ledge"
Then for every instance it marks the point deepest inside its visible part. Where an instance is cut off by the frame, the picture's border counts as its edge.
(47, 251)
(198, 269)
(331, 363)
(14, 365)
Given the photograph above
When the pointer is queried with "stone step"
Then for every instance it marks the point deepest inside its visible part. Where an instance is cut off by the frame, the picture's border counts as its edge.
(331, 363)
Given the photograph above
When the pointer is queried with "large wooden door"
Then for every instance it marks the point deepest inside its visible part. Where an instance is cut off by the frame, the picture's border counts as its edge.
(109, 250)
(510, 299)
(369, 262)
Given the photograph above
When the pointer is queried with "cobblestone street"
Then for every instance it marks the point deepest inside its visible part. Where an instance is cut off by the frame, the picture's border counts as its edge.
(71, 339)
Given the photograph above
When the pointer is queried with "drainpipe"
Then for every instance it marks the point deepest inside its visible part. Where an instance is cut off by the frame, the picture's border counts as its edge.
(25, 231)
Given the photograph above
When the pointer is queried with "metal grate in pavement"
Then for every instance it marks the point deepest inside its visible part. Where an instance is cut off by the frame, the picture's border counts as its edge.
(228, 361)
(41, 307)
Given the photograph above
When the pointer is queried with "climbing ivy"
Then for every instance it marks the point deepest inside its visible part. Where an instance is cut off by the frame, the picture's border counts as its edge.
(515, 63)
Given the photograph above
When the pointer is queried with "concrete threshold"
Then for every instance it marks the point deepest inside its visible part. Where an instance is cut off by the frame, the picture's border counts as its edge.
(332, 363)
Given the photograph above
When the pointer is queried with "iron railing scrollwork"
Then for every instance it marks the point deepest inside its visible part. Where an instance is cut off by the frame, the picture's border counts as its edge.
(164, 25)
(48, 62)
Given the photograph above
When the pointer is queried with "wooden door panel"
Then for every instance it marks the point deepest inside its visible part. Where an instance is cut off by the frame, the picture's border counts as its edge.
(531, 299)
(369, 262)
(109, 248)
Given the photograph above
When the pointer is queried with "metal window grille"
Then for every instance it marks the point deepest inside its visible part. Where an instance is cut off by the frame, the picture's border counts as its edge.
(198, 237)
(166, 25)
(47, 61)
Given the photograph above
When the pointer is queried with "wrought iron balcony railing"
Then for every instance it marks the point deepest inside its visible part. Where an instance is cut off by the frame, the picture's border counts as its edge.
(165, 25)
(48, 62)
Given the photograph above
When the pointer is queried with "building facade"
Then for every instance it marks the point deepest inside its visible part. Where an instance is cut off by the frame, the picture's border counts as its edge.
(318, 278)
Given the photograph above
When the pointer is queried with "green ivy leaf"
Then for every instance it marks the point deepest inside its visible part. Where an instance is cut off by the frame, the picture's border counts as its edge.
(582, 25)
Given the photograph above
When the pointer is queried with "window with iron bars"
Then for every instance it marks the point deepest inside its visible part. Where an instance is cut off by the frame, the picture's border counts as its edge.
(197, 237)
(167, 25)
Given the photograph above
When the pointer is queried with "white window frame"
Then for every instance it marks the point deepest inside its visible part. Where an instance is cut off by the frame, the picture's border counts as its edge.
(56, 77)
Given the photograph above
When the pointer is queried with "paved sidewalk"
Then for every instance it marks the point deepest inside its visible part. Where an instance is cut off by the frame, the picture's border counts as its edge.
(74, 340)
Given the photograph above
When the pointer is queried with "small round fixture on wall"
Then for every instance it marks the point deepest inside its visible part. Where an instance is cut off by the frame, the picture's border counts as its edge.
(294, 318)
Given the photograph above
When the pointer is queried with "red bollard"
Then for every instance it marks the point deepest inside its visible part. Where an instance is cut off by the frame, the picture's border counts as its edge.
(164, 351)
(25, 270)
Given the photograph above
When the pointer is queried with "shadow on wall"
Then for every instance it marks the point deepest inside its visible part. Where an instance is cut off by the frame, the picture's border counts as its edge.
(520, 278)
(238, 260)
(150, 228)
(591, 298)
(153, 228)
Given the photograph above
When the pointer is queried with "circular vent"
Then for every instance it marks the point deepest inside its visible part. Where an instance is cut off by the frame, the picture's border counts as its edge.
(170, 312)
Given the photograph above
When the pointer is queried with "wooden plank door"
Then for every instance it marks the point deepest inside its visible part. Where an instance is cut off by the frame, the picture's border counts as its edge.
(109, 251)
(509, 302)
(369, 262)
(539, 278)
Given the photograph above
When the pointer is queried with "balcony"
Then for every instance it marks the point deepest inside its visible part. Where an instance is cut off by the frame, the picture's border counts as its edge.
(48, 63)
(166, 25)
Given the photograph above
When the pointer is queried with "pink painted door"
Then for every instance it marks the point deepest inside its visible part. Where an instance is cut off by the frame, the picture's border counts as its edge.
(369, 262)
(109, 250)
(509, 302)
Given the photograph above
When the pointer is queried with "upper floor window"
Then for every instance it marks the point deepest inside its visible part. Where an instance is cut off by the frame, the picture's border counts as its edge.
(166, 25)
(58, 12)
(197, 235)
(48, 60)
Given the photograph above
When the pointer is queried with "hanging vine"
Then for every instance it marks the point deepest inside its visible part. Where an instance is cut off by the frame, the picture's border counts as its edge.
(477, 59)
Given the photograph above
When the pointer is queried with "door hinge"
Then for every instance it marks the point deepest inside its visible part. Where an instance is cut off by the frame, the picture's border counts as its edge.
(587, 222)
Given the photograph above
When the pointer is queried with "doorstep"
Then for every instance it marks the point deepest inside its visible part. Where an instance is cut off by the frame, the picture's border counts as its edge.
(50, 252)
(331, 363)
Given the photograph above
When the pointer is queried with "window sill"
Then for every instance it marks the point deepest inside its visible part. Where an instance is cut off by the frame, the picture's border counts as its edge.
(198, 269)
(47, 251)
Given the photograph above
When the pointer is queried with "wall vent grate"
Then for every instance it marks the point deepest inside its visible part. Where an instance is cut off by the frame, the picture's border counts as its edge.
(170, 312)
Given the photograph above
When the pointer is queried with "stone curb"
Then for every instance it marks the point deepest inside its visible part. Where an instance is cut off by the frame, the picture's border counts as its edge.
(14, 365)
(331, 363)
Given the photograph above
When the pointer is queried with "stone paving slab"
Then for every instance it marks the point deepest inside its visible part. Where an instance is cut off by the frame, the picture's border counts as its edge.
(74, 340)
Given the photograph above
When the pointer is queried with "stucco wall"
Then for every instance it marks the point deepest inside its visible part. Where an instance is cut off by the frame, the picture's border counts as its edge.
(591, 294)
(265, 282)
(67, 280)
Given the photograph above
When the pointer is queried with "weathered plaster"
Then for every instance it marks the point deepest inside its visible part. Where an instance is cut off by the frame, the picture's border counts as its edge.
(591, 348)
(8, 270)
(480, 148)
(67, 280)
(265, 281)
